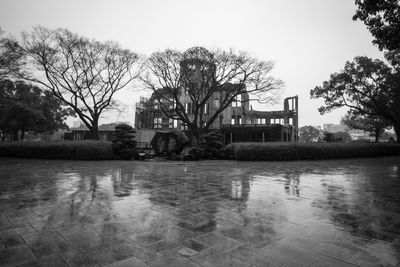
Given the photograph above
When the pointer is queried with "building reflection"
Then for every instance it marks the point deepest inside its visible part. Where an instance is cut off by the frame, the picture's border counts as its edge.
(292, 183)
(122, 180)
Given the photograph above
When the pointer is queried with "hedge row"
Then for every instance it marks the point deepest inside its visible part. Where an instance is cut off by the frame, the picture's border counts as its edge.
(98, 150)
(74, 150)
(308, 151)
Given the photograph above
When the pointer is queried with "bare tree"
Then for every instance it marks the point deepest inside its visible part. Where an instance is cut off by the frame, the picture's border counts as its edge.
(202, 76)
(85, 74)
(10, 56)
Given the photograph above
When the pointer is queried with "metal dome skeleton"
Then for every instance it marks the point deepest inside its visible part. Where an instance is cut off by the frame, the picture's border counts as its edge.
(198, 53)
(198, 64)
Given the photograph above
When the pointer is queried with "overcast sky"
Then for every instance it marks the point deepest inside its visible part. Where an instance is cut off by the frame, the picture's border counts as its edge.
(308, 40)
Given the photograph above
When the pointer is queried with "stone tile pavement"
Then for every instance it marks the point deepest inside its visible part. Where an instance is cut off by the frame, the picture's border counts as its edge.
(212, 213)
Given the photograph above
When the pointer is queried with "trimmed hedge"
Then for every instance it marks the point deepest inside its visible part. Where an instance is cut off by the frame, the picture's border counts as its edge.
(308, 151)
(73, 150)
(99, 150)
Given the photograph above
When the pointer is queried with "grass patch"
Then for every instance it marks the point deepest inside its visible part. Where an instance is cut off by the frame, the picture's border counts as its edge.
(72, 150)
(308, 151)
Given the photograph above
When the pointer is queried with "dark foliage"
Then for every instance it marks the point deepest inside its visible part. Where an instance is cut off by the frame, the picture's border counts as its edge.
(382, 17)
(328, 137)
(227, 152)
(124, 142)
(212, 142)
(71, 150)
(311, 151)
(194, 153)
(24, 107)
(368, 87)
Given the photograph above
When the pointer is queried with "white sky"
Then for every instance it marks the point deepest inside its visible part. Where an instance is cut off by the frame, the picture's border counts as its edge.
(308, 40)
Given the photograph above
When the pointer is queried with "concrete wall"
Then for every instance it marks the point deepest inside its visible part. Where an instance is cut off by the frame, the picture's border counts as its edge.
(143, 137)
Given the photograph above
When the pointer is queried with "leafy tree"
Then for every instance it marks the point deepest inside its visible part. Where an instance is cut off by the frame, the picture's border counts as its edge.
(368, 87)
(212, 142)
(382, 17)
(124, 142)
(341, 137)
(24, 107)
(328, 137)
(336, 137)
(375, 125)
(84, 74)
(308, 134)
(10, 56)
(200, 76)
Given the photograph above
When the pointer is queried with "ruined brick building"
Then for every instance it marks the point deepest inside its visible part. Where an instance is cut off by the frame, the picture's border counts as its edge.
(238, 122)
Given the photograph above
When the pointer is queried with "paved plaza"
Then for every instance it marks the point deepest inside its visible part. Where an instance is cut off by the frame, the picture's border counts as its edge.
(208, 213)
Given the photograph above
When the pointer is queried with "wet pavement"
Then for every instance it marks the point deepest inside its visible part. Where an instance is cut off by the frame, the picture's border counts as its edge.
(208, 213)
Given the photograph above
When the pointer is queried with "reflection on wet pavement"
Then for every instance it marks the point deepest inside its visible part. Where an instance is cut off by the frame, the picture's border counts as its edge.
(209, 213)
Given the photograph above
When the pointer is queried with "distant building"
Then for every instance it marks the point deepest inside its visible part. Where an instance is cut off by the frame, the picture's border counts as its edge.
(257, 126)
(334, 128)
(355, 134)
(107, 133)
(76, 124)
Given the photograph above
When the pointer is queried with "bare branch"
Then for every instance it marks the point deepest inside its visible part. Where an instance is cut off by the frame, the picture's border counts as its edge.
(83, 73)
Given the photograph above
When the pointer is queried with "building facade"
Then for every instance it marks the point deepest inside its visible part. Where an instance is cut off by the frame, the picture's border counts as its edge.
(238, 122)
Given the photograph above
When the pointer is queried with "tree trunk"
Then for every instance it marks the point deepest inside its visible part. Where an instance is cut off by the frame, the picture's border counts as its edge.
(200, 132)
(377, 136)
(94, 133)
(397, 131)
(94, 129)
(194, 138)
(22, 135)
(14, 135)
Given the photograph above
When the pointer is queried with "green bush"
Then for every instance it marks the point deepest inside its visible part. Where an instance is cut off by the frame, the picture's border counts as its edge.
(228, 152)
(195, 153)
(124, 142)
(212, 142)
(308, 151)
(74, 150)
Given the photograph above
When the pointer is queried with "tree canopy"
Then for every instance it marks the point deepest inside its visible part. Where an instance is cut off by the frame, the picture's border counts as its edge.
(308, 133)
(362, 86)
(84, 74)
(24, 107)
(368, 87)
(382, 17)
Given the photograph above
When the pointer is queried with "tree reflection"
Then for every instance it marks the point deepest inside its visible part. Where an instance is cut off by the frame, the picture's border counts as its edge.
(366, 202)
